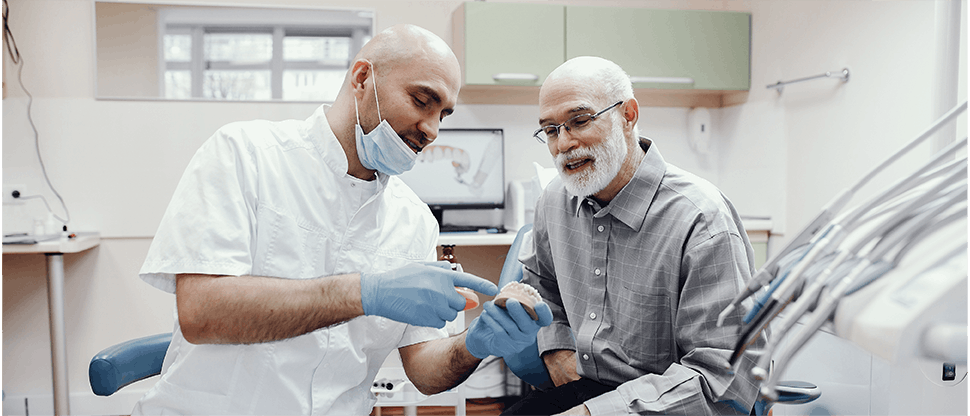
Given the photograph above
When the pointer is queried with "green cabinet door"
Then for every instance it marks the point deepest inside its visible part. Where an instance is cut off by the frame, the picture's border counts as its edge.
(511, 43)
(694, 49)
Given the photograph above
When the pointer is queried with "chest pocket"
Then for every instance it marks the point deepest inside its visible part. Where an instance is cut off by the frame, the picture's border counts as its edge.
(288, 247)
(648, 337)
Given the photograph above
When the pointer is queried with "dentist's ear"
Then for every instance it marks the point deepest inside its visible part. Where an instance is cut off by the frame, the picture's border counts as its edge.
(360, 72)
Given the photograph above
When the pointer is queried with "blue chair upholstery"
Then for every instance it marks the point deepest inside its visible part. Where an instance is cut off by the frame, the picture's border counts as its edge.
(120, 365)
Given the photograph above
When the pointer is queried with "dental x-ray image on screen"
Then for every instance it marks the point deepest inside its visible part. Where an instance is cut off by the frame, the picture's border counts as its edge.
(461, 169)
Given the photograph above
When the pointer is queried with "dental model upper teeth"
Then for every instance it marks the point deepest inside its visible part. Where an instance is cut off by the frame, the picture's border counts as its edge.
(527, 295)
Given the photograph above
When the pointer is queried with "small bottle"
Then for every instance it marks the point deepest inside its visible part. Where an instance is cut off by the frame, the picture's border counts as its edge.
(448, 253)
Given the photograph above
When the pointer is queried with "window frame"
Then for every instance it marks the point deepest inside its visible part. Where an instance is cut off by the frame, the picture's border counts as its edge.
(280, 22)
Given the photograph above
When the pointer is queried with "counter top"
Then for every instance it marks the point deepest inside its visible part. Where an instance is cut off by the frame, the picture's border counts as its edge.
(82, 241)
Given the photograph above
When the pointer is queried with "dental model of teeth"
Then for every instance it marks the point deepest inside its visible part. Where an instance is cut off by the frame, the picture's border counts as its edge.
(527, 295)
(471, 299)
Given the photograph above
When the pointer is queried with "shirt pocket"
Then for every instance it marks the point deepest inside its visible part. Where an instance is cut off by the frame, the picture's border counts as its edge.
(289, 247)
(646, 327)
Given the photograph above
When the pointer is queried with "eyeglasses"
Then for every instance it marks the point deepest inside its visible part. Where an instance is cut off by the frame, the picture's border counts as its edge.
(577, 123)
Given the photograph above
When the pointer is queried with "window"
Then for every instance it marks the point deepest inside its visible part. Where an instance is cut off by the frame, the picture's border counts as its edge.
(255, 54)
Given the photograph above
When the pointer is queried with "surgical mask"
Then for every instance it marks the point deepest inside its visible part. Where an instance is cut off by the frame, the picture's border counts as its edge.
(382, 149)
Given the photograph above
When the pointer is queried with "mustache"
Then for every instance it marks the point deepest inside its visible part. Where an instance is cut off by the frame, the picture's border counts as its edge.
(578, 153)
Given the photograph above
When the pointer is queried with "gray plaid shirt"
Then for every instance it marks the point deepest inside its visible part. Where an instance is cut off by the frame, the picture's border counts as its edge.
(636, 287)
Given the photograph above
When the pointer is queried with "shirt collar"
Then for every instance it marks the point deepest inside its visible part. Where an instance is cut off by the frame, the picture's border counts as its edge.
(322, 136)
(631, 203)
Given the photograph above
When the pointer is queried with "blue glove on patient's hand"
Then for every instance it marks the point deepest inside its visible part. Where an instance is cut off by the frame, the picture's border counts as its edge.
(502, 332)
(420, 294)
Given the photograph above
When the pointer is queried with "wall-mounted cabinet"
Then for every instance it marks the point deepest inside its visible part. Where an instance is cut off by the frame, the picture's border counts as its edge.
(509, 43)
(677, 58)
(682, 49)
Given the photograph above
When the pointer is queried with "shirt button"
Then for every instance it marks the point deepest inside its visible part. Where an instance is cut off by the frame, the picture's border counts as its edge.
(600, 228)
(586, 356)
(592, 315)
(597, 272)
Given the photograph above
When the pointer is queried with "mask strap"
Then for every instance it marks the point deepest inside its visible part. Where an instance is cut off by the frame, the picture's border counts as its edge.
(375, 93)
(356, 110)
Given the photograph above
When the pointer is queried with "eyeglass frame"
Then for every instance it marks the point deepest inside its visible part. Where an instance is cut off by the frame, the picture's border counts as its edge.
(564, 124)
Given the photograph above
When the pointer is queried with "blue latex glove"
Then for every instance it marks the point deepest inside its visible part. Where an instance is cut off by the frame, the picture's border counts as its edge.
(502, 332)
(420, 294)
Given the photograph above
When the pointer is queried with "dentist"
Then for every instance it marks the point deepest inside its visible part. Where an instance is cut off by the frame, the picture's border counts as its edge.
(299, 262)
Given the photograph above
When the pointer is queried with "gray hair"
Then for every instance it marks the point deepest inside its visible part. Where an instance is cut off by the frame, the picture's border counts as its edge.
(607, 75)
(613, 80)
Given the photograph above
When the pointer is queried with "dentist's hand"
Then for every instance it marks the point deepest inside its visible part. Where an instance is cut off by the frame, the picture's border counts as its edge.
(502, 332)
(420, 294)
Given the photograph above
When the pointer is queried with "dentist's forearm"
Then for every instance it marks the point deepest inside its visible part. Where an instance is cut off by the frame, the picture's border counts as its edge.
(252, 309)
(438, 365)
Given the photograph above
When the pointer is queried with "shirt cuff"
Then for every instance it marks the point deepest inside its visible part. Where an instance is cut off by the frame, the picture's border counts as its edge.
(609, 403)
(557, 336)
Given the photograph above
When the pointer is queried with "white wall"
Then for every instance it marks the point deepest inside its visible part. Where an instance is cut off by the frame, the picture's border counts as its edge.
(116, 163)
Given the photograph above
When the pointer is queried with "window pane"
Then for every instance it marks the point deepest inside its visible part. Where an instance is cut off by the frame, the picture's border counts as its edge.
(178, 84)
(236, 85)
(239, 47)
(178, 48)
(334, 51)
(312, 85)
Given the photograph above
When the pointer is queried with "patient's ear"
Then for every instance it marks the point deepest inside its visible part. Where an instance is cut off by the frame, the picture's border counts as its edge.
(631, 113)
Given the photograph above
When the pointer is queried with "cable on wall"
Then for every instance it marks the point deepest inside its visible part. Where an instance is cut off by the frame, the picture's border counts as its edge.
(17, 59)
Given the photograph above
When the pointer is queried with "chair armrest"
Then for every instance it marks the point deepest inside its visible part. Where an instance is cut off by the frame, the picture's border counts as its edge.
(122, 364)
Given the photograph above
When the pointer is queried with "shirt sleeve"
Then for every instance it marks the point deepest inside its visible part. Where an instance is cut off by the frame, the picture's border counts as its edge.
(209, 224)
(700, 383)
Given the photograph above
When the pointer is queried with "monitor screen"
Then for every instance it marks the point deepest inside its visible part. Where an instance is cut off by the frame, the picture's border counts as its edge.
(462, 168)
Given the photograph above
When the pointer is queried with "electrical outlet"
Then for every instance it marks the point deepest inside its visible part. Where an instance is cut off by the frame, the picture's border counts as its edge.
(8, 193)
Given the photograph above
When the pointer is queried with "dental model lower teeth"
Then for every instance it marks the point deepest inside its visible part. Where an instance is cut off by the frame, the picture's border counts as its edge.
(527, 295)
(471, 299)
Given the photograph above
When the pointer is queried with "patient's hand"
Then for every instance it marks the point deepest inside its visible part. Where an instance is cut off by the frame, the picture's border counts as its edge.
(562, 366)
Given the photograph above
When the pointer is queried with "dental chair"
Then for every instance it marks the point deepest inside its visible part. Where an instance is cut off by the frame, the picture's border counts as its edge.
(529, 367)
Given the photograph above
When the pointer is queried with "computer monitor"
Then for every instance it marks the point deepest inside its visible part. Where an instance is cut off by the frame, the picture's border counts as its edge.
(463, 169)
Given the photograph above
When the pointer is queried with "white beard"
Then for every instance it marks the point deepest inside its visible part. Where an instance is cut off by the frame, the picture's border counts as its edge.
(607, 159)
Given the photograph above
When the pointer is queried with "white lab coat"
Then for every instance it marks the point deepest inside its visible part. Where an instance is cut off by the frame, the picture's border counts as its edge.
(274, 199)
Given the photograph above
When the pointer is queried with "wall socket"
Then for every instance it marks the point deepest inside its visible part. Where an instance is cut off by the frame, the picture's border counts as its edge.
(8, 191)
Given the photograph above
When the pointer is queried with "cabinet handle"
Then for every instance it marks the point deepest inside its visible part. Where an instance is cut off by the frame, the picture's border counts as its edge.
(509, 76)
(663, 80)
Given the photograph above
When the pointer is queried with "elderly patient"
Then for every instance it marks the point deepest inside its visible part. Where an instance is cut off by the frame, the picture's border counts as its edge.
(636, 258)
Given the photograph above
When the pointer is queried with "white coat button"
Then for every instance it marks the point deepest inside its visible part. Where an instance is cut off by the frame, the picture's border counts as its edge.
(592, 315)
(585, 356)
(597, 272)
(600, 228)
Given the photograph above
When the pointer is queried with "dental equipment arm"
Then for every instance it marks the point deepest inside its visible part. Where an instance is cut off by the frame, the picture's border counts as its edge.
(895, 235)
(900, 232)
(762, 277)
